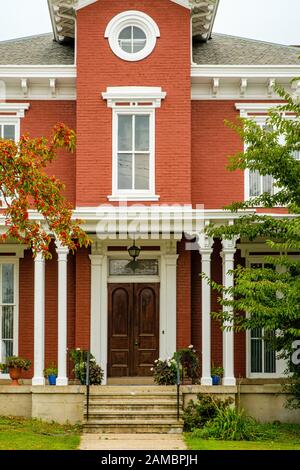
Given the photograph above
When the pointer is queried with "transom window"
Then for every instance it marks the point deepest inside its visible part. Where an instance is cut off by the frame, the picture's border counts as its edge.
(132, 39)
(133, 152)
(141, 267)
(8, 310)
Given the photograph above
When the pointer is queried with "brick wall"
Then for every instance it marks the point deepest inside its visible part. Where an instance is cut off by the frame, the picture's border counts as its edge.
(183, 296)
(168, 67)
(39, 121)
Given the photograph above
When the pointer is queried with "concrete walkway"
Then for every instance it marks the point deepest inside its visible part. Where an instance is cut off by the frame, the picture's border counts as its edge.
(132, 442)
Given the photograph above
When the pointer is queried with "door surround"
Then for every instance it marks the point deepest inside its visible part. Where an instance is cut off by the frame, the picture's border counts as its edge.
(167, 256)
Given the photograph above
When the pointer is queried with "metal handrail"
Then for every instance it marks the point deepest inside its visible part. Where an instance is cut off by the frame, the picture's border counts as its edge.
(87, 383)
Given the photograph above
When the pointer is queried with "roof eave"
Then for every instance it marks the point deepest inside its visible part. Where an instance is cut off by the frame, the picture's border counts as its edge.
(63, 16)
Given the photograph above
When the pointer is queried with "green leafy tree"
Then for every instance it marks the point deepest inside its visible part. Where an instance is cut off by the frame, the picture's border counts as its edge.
(270, 296)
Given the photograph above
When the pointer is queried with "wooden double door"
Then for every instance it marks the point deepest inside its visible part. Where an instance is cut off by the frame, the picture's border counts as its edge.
(133, 329)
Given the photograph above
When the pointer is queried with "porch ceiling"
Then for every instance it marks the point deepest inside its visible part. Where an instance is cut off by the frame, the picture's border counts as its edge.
(63, 17)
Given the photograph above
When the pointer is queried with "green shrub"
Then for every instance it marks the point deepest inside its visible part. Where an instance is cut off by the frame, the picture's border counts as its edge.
(229, 424)
(204, 409)
(165, 372)
(79, 358)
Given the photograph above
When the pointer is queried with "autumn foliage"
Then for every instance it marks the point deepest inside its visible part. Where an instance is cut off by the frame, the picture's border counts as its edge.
(36, 209)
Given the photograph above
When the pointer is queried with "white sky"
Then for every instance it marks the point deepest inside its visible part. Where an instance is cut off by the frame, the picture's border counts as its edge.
(268, 20)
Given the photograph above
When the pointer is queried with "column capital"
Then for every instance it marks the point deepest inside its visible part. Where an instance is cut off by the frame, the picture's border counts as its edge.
(205, 244)
(61, 250)
(39, 257)
(171, 260)
(97, 260)
(229, 245)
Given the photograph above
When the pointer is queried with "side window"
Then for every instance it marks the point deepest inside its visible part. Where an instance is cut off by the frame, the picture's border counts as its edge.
(263, 357)
(8, 131)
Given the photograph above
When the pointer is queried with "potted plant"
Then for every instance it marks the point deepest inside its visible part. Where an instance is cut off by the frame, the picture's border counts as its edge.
(216, 374)
(51, 373)
(79, 359)
(15, 366)
(165, 371)
(189, 362)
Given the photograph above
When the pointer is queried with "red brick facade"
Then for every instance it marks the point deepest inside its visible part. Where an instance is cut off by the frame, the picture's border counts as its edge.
(192, 146)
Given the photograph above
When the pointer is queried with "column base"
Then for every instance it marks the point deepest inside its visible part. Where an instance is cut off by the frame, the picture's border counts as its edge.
(229, 381)
(62, 381)
(38, 381)
(206, 381)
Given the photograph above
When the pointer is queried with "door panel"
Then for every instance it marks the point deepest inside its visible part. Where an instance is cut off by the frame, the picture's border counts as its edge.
(146, 319)
(119, 329)
(133, 328)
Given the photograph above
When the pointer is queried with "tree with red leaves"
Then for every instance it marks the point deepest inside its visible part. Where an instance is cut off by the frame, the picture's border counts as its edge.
(29, 191)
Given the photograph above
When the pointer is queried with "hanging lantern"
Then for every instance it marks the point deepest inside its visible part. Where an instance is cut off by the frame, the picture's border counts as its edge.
(134, 251)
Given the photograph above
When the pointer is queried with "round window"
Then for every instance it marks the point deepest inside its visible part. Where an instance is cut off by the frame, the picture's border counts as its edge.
(132, 39)
(132, 35)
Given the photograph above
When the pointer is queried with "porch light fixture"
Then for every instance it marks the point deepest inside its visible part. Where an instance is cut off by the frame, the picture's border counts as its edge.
(134, 251)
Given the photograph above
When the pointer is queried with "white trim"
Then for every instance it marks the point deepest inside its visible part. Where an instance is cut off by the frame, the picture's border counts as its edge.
(134, 95)
(99, 302)
(16, 262)
(83, 3)
(38, 71)
(17, 108)
(245, 71)
(134, 193)
(39, 320)
(256, 108)
(62, 313)
(132, 18)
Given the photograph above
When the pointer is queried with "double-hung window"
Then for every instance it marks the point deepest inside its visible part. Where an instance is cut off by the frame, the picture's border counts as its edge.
(134, 159)
(9, 130)
(262, 357)
(133, 135)
(8, 308)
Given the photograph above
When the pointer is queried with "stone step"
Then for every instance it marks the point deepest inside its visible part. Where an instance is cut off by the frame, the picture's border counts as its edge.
(134, 427)
(128, 389)
(128, 415)
(132, 406)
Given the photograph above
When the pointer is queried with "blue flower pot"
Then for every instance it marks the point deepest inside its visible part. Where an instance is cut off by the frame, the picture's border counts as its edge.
(52, 379)
(216, 380)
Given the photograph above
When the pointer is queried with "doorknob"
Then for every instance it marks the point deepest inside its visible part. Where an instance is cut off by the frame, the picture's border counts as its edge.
(136, 343)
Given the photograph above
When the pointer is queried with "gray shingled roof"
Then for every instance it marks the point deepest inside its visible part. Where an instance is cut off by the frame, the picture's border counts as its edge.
(232, 50)
(36, 50)
(220, 50)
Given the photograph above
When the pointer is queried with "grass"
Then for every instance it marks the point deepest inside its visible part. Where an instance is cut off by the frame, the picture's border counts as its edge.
(281, 437)
(33, 434)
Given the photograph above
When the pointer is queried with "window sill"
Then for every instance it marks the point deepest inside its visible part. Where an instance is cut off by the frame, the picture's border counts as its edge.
(133, 197)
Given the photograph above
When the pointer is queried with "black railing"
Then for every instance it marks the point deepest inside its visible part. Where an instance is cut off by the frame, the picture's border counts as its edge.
(178, 388)
(87, 383)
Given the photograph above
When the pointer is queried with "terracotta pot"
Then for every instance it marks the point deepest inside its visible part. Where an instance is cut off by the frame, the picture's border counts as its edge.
(15, 375)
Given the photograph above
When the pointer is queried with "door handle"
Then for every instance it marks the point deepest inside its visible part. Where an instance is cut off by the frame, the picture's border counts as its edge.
(136, 343)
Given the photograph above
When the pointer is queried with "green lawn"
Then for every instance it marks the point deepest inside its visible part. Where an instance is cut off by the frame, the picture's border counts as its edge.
(282, 437)
(32, 434)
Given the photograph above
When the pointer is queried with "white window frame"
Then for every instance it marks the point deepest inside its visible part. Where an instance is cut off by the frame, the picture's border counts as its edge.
(133, 101)
(259, 113)
(10, 121)
(141, 21)
(126, 193)
(280, 363)
(15, 262)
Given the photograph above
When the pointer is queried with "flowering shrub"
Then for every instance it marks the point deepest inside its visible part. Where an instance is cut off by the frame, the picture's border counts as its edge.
(165, 372)
(79, 358)
(189, 362)
(15, 363)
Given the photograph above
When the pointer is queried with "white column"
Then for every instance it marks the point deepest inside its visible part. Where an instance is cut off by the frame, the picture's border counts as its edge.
(62, 260)
(39, 320)
(99, 329)
(168, 305)
(206, 251)
(229, 249)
